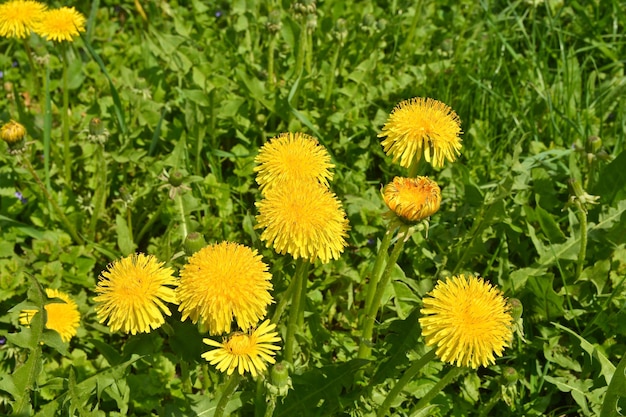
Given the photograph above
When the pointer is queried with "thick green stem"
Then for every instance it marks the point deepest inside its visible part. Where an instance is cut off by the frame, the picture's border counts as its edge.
(301, 51)
(408, 42)
(437, 388)
(282, 304)
(296, 308)
(377, 271)
(66, 120)
(331, 79)
(409, 374)
(368, 325)
(270, 63)
(55, 206)
(228, 391)
(582, 253)
(183, 216)
(100, 193)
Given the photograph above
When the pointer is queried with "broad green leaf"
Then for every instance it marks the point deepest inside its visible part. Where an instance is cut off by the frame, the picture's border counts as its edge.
(124, 236)
(616, 392)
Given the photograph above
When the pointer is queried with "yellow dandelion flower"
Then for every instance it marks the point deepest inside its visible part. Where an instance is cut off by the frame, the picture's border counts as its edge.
(422, 127)
(63, 24)
(224, 281)
(412, 199)
(12, 132)
(132, 294)
(292, 156)
(62, 317)
(468, 319)
(305, 220)
(17, 17)
(246, 352)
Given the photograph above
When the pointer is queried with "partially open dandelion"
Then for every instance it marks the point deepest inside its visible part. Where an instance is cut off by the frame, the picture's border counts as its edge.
(422, 127)
(412, 199)
(305, 220)
(14, 134)
(468, 320)
(62, 24)
(222, 282)
(133, 292)
(17, 17)
(62, 317)
(290, 157)
(246, 352)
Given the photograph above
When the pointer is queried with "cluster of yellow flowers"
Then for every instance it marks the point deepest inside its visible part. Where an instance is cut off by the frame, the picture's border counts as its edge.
(18, 18)
(467, 318)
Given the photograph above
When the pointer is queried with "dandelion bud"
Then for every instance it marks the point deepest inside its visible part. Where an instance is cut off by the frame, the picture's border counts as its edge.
(509, 375)
(340, 31)
(274, 22)
(13, 134)
(95, 126)
(516, 308)
(176, 179)
(594, 144)
(193, 243)
(412, 199)
(279, 377)
(311, 23)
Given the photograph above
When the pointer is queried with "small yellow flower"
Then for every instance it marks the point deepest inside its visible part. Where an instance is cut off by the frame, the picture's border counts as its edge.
(14, 135)
(412, 199)
(422, 127)
(17, 17)
(224, 281)
(292, 156)
(468, 320)
(63, 24)
(62, 317)
(132, 294)
(303, 219)
(246, 352)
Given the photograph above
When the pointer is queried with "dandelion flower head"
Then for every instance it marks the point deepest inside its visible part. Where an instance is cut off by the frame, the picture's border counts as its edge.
(305, 220)
(246, 352)
(12, 132)
(468, 320)
(62, 24)
(222, 282)
(292, 156)
(17, 17)
(412, 199)
(133, 292)
(422, 127)
(62, 317)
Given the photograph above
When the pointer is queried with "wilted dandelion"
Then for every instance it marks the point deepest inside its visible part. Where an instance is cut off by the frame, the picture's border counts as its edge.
(468, 320)
(17, 17)
(62, 317)
(222, 282)
(132, 294)
(62, 24)
(246, 352)
(292, 157)
(412, 199)
(305, 220)
(422, 127)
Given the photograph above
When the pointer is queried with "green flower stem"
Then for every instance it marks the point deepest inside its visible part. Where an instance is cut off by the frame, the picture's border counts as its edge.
(296, 308)
(409, 374)
(47, 130)
(270, 63)
(55, 206)
(582, 253)
(301, 51)
(228, 391)
(331, 79)
(368, 325)
(486, 409)
(309, 51)
(33, 70)
(436, 389)
(65, 119)
(100, 194)
(183, 217)
(408, 42)
(303, 291)
(377, 271)
(282, 304)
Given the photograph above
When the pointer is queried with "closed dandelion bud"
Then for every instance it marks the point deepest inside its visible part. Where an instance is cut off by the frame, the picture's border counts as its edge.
(95, 126)
(368, 22)
(516, 308)
(381, 25)
(274, 22)
(13, 133)
(193, 243)
(311, 23)
(509, 375)
(176, 179)
(340, 31)
(594, 144)
(279, 377)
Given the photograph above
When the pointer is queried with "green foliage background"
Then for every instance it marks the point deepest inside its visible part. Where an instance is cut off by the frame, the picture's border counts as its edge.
(195, 91)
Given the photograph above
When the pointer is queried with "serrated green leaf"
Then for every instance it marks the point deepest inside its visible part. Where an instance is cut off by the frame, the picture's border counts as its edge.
(124, 237)
(615, 391)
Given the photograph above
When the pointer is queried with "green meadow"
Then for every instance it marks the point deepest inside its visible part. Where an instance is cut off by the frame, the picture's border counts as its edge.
(143, 131)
